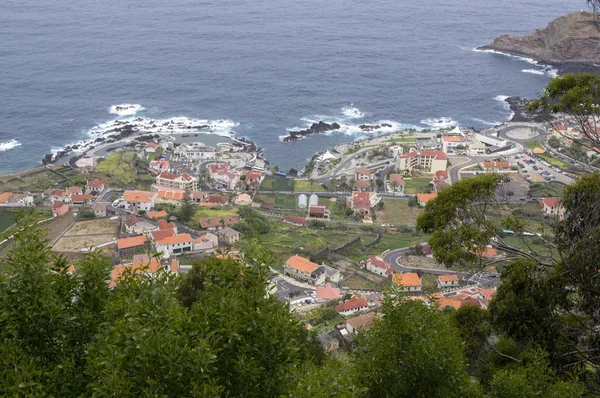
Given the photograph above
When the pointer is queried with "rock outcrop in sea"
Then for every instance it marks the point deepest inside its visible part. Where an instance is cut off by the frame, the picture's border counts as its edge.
(571, 43)
(315, 128)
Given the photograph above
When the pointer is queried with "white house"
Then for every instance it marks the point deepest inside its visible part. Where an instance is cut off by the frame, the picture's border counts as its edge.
(352, 306)
(207, 243)
(445, 281)
(552, 207)
(409, 282)
(362, 173)
(377, 265)
(176, 244)
(139, 200)
(395, 184)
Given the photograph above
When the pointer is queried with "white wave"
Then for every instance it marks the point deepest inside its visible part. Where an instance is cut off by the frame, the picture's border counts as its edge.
(485, 122)
(352, 112)
(125, 109)
(502, 99)
(552, 72)
(534, 71)
(524, 59)
(8, 145)
(440, 122)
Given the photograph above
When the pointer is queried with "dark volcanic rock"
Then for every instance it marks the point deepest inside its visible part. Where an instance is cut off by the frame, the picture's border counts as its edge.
(518, 105)
(373, 127)
(571, 43)
(315, 128)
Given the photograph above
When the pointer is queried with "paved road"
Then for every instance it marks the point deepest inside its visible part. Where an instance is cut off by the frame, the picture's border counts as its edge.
(393, 256)
(285, 288)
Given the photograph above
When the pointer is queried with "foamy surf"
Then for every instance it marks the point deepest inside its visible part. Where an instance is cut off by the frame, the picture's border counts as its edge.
(502, 99)
(352, 112)
(8, 145)
(439, 123)
(485, 122)
(125, 109)
(534, 71)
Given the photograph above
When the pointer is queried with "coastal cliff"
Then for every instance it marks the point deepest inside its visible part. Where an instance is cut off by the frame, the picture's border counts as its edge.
(570, 42)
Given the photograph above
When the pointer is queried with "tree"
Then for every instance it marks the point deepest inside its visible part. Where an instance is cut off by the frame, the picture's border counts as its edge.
(187, 210)
(577, 96)
(413, 351)
(553, 142)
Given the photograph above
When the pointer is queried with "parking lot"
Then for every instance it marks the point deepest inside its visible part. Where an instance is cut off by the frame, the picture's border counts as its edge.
(538, 170)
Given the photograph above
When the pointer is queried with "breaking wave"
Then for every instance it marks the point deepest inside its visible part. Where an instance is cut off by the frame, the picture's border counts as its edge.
(125, 109)
(502, 99)
(485, 122)
(534, 71)
(8, 145)
(440, 123)
(352, 112)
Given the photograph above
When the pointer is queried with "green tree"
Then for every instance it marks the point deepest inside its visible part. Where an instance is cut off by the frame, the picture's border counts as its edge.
(187, 209)
(553, 141)
(413, 351)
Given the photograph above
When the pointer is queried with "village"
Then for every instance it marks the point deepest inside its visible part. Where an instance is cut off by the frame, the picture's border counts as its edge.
(343, 229)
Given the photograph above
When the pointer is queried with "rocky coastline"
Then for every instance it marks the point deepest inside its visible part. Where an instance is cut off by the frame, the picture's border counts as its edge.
(518, 107)
(569, 44)
(315, 128)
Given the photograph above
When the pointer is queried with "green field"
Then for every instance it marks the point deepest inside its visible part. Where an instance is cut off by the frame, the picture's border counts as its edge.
(305, 186)
(277, 184)
(397, 211)
(119, 169)
(359, 283)
(218, 212)
(417, 185)
(545, 189)
(533, 144)
(7, 218)
(276, 201)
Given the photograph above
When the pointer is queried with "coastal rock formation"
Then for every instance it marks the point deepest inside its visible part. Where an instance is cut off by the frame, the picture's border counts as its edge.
(570, 42)
(369, 127)
(315, 128)
(518, 107)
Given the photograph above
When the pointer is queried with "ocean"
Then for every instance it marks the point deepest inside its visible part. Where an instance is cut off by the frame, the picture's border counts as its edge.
(257, 69)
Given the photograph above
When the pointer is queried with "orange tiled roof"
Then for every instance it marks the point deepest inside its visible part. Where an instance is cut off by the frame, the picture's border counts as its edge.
(407, 280)
(134, 241)
(397, 178)
(352, 303)
(426, 197)
(328, 292)
(162, 234)
(363, 170)
(162, 224)
(4, 197)
(157, 214)
(138, 196)
(171, 240)
(301, 264)
(448, 278)
(81, 197)
(452, 138)
(96, 183)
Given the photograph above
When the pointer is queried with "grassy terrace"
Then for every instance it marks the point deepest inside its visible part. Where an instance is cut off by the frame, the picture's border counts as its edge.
(289, 185)
(305, 186)
(118, 168)
(543, 189)
(397, 211)
(417, 185)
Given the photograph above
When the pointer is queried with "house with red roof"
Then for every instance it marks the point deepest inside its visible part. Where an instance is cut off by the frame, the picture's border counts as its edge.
(328, 292)
(552, 207)
(362, 202)
(131, 242)
(362, 174)
(377, 265)
(96, 186)
(441, 180)
(395, 184)
(428, 161)
(59, 209)
(174, 245)
(423, 198)
(362, 185)
(409, 282)
(446, 281)
(206, 243)
(81, 199)
(451, 142)
(305, 270)
(295, 220)
(139, 200)
(136, 225)
(217, 199)
(318, 212)
(222, 176)
(161, 234)
(352, 306)
(142, 264)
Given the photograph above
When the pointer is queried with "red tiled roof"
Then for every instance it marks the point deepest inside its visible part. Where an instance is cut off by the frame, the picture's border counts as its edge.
(379, 262)
(171, 240)
(138, 196)
(157, 214)
(162, 224)
(252, 175)
(407, 280)
(132, 221)
(448, 278)
(171, 176)
(362, 184)
(74, 190)
(425, 197)
(81, 197)
(353, 303)
(397, 178)
(4, 197)
(441, 175)
(218, 168)
(550, 202)
(318, 210)
(162, 234)
(96, 183)
(134, 241)
(152, 145)
(172, 194)
(218, 199)
(212, 222)
(363, 170)
(301, 264)
(328, 292)
(55, 206)
(452, 138)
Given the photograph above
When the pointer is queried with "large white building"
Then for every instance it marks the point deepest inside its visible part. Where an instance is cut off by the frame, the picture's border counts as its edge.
(196, 152)
(428, 161)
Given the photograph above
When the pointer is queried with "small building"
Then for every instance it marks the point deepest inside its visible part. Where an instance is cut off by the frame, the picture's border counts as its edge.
(423, 198)
(327, 293)
(229, 235)
(352, 306)
(74, 191)
(361, 322)
(304, 270)
(81, 199)
(131, 242)
(206, 243)
(295, 220)
(409, 282)
(362, 173)
(164, 224)
(552, 207)
(155, 215)
(328, 342)
(139, 200)
(175, 244)
(59, 209)
(243, 200)
(218, 199)
(451, 142)
(477, 148)
(136, 225)
(161, 234)
(441, 180)
(99, 210)
(217, 223)
(320, 212)
(96, 186)
(377, 265)
(313, 200)
(444, 281)
(362, 185)
(395, 184)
